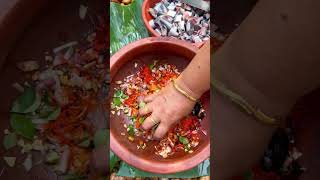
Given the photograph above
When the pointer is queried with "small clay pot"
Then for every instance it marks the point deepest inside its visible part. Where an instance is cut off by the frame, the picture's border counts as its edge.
(147, 17)
(165, 50)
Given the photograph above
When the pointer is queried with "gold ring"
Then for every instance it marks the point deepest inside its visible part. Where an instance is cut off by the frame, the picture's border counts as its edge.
(154, 121)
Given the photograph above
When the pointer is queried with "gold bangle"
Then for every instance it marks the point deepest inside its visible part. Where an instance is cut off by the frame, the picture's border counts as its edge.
(175, 85)
(241, 102)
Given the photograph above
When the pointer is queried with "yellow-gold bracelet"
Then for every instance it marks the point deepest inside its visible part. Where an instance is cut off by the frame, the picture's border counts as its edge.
(241, 102)
(176, 86)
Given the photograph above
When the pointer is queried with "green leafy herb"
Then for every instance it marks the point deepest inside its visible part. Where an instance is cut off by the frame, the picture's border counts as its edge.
(9, 141)
(142, 104)
(54, 114)
(116, 101)
(118, 93)
(101, 137)
(124, 96)
(133, 119)
(85, 143)
(22, 125)
(151, 66)
(141, 120)
(131, 130)
(27, 102)
(183, 140)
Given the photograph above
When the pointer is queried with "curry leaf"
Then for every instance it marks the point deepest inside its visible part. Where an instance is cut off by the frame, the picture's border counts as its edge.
(22, 125)
(183, 140)
(116, 101)
(27, 102)
(9, 141)
(118, 93)
(141, 120)
(131, 130)
(54, 114)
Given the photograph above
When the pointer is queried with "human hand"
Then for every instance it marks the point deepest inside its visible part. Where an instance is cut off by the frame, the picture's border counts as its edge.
(167, 107)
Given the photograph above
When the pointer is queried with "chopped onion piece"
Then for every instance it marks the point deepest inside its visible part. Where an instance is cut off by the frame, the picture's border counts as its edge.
(64, 46)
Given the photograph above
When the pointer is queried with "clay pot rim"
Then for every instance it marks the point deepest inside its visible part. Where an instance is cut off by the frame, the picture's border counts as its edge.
(143, 164)
(153, 33)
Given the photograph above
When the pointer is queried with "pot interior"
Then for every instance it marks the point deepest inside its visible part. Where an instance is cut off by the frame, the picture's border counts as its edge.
(146, 54)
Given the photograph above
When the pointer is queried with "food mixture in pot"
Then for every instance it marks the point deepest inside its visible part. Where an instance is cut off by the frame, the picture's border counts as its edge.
(128, 98)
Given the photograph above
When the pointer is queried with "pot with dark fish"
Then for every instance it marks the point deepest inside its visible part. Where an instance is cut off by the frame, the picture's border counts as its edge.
(176, 19)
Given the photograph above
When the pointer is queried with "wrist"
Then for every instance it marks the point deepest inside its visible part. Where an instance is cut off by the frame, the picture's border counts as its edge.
(188, 88)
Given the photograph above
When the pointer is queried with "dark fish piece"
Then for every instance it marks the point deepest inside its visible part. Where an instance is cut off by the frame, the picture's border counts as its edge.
(165, 21)
(164, 30)
(174, 31)
(153, 12)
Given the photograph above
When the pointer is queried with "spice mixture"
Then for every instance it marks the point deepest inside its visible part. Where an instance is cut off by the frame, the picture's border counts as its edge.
(128, 96)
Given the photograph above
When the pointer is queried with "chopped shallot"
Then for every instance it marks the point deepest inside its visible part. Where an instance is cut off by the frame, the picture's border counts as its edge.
(28, 66)
(64, 46)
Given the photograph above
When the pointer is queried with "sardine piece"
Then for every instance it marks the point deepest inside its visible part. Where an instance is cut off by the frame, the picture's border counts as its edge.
(171, 6)
(158, 31)
(153, 12)
(157, 7)
(203, 31)
(164, 8)
(171, 13)
(164, 30)
(178, 18)
(165, 22)
(151, 23)
(207, 16)
(196, 39)
(174, 32)
(182, 26)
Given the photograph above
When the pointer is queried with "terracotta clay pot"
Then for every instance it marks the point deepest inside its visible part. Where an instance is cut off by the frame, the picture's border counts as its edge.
(145, 51)
(147, 17)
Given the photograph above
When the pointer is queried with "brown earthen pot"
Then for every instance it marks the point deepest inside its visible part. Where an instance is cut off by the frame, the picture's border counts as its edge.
(145, 51)
(147, 17)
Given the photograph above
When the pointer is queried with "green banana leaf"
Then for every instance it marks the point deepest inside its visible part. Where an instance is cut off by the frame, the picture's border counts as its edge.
(201, 170)
(126, 26)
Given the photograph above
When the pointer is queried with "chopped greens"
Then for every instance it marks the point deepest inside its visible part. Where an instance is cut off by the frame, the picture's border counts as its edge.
(9, 141)
(118, 93)
(27, 102)
(183, 140)
(22, 125)
(85, 143)
(116, 101)
(131, 130)
(142, 104)
(54, 114)
(141, 120)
